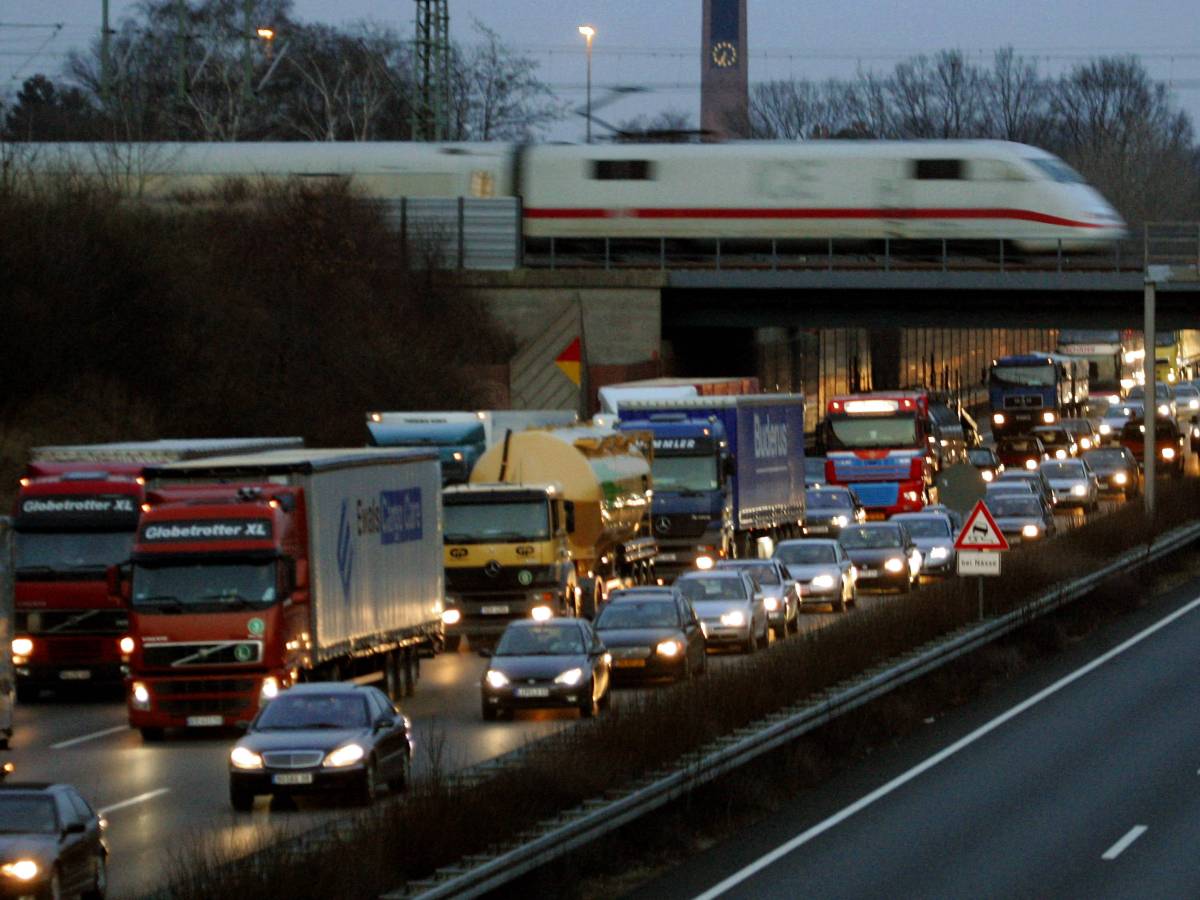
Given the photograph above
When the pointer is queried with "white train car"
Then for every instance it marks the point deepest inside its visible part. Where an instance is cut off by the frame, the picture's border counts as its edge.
(957, 190)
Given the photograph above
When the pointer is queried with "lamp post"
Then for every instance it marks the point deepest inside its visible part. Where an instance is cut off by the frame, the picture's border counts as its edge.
(588, 33)
(267, 35)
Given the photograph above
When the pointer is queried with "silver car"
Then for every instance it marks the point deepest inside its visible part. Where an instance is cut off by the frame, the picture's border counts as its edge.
(1115, 417)
(1073, 482)
(822, 570)
(729, 609)
(934, 534)
(779, 592)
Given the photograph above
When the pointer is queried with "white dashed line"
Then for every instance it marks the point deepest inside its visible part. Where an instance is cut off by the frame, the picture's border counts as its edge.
(62, 745)
(1123, 844)
(133, 801)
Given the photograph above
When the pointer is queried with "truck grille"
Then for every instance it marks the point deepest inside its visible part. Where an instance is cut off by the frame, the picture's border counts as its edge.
(206, 686)
(293, 759)
(204, 706)
(81, 650)
(1015, 402)
(686, 526)
(205, 654)
(73, 621)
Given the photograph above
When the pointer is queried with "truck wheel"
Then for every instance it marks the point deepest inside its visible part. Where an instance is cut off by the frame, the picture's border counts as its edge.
(240, 799)
(452, 643)
(153, 735)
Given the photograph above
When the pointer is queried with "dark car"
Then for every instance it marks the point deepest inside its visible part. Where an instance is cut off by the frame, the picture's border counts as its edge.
(1021, 452)
(828, 510)
(986, 461)
(322, 737)
(1168, 443)
(652, 633)
(1041, 485)
(779, 592)
(1021, 517)
(731, 610)
(1020, 488)
(884, 554)
(52, 843)
(540, 665)
(1085, 433)
(1116, 469)
(1059, 442)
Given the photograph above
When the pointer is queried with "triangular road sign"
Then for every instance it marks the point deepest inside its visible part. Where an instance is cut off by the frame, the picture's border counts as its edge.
(570, 361)
(980, 531)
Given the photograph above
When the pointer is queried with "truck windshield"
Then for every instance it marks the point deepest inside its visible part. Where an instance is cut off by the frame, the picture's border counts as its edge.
(85, 551)
(874, 431)
(218, 585)
(1024, 376)
(483, 523)
(685, 473)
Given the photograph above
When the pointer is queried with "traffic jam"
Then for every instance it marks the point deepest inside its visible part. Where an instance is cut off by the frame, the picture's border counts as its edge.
(270, 604)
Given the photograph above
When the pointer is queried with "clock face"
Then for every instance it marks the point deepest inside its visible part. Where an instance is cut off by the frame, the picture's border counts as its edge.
(724, 54)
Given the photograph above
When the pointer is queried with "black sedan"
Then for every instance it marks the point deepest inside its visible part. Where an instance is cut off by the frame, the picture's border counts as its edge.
(827, 510)
(1023, 518)
(322, 737)
(1116, 468)
(986, 461)
(51, 843)
(652, 633)
(537, 665)
(884, 554)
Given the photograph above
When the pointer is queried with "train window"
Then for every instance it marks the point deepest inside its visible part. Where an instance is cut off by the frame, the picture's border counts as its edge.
(622, 169)
(939, 169)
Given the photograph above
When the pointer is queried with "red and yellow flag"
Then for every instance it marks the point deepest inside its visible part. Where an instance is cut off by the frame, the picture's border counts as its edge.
(570, 362)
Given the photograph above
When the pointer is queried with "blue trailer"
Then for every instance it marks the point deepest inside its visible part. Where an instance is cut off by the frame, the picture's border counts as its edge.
(727, 471)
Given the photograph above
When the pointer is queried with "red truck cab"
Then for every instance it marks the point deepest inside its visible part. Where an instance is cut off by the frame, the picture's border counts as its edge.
(72, 522)
(217, 597)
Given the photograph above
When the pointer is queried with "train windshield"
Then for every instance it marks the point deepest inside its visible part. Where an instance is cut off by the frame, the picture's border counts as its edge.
(865, 432)
(1025, 376)
(483, 523)
(1058, 170)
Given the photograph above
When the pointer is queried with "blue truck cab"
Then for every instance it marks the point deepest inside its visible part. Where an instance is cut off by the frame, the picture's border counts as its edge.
(1033, 389)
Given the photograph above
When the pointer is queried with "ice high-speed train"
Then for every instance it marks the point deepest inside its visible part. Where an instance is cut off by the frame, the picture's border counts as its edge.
(818, 189)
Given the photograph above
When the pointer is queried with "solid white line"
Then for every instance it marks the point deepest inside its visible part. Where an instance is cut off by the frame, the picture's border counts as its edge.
(1123, 844)
(899, 781)
(88, 737)
(133, 801)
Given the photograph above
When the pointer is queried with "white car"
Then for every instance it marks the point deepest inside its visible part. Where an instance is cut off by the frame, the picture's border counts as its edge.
(822, 570)
(729, 609)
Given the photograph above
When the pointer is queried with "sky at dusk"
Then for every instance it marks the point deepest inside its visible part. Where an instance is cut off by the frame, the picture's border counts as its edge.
(657, 45)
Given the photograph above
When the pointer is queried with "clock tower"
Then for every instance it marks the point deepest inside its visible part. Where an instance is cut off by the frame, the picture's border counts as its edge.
(724, 85)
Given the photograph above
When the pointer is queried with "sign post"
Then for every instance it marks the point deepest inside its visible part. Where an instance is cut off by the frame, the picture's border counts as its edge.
(979, 545)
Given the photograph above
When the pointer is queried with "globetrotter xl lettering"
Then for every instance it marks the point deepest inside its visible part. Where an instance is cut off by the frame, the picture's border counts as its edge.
(34, 505)
(770, 438)
(208, 530)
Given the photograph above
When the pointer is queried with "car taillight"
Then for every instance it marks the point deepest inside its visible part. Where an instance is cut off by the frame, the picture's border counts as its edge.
(830, 471)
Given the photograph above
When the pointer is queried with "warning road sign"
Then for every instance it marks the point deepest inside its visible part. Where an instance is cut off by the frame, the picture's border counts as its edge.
(980, 531)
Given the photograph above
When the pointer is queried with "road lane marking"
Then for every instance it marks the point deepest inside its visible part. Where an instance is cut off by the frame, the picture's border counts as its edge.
(62, 745)
(133, 801)
(899, 781)
(1123, 844)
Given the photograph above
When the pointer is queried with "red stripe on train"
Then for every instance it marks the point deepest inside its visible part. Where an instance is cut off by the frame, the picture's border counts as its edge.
(1024, 215)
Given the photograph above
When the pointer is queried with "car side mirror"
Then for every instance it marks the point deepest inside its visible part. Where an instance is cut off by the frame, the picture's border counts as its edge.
(384, 722)
(74, 828)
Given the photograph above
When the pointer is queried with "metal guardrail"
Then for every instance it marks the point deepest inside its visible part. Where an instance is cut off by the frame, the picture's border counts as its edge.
(595, 818)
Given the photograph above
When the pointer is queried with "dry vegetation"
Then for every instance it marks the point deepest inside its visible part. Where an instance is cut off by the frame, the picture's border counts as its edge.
(441, 821)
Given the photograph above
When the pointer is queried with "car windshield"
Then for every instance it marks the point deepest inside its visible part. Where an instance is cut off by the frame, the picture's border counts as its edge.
(1015, 505)
(205, 583)
(1106, 456)
(1018, 445)
(1161, 392)
(1054, 438)
(1063, 469)
(1136, 430)
(760, 573)
(638, 614)
(485, 523)
(1011, 487)
(541, 640)
(27, 814)
(933, 526)
(874, 431)
(698, 590)
(1025, 376)
(805, 554)
(77, 552)
(839, 500)
(685, 473)
(864, 537)
(981, 457)
(289, 711)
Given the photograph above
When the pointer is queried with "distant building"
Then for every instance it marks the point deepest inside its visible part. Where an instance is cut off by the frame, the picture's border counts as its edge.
(724, 82)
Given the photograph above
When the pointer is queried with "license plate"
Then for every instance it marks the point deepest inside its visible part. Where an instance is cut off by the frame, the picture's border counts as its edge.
(876, 516)
(498, 610)
(667, 557)
(75, 674)
(865, 574)
(532, 692)
(629, 663)
(293, 778)
(818, 529)
(204, 721)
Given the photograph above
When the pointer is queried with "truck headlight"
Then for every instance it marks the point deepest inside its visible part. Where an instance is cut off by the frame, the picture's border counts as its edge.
(912, 496)
(894, 565)
(541, 613)
(126, 645)
(269, 690)
(998, 418)
(244, 758)
(734, 619)
(139, 696)
(1048, 418)
(495, 679)
(22, 647)
(571, 677)
(668, 649)
(344, 756)
(21, 869)
(1085, 443)
(451, 617)
(1168, 452)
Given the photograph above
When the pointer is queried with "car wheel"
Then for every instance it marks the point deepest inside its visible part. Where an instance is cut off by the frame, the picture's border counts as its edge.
(400, 782)
(241, 799)
(854, 596)
(587, 706)
(685, 671)
(750, 644)
(153, 735)
(367, 789)
(781, 629)
(452, 642)
(794, 626)
(489, 712)
(839, 605)
(99, 888)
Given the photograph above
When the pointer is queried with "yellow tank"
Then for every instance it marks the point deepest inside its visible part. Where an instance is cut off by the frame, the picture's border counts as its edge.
(605, 473)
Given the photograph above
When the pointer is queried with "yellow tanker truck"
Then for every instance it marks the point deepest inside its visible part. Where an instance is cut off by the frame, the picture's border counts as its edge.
(549, 521)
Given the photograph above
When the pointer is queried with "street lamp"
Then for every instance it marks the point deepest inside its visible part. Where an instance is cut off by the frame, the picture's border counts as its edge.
(267, 35)
(588, 33)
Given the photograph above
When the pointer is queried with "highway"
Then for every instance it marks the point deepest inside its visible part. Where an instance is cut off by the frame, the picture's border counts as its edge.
(1075, 780)
(162, 797)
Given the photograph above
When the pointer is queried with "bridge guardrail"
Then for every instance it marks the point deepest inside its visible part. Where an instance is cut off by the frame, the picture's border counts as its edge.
(595, 818)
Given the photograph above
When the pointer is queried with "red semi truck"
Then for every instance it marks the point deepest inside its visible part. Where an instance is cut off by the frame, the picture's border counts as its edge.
(251, 573)
(76, 514)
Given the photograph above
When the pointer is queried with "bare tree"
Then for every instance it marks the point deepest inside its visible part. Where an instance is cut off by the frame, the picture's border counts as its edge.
(1016, 100)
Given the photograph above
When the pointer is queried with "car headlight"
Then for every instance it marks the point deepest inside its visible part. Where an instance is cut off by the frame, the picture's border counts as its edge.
(734, 619)
(541, 613)
(1060, 453)
(22, 647)
(666, 648)
(244, 758)
(1048, 418)
(495, 678)
(938, 553)
(21, 869)
(571, 677)
(1168, 452)
(840, 521)
(771, 603)
(1031, 464)
(1078, 490)
(894, 565)
(1120, 478)
(344, 756)
(1194, 404)
(704, 562)
(998, 418)
(1030, 531)
(139, 695)
(1085, 443)
(1164, 410)
(451, 617)
(1105, 429)
(823, 582)
(987, 475)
